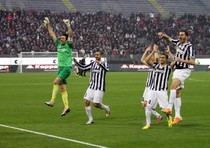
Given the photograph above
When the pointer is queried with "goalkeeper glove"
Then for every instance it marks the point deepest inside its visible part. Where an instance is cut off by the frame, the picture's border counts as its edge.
(46, 21)
(67, 22)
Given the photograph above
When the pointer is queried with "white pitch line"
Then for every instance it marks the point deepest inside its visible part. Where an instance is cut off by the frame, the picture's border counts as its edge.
(53, 136)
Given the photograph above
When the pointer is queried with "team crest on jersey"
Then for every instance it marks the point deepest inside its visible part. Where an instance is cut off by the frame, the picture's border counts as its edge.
(178, 49)
(62, 49)
(96, 71)
(158, 71)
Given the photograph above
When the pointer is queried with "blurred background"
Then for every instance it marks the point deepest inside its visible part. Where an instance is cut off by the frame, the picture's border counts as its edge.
(121, 29)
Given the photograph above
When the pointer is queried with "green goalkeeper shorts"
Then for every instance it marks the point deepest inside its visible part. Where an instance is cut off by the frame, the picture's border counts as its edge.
(64, 73)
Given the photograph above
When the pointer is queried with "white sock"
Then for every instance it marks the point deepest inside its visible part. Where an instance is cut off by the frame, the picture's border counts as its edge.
(177, 106)
(172, 98)
(148, 115)
(104, 107)
(89, 112)
(156, 114)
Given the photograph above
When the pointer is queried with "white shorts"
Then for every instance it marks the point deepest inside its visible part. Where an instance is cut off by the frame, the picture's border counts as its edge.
(182, 75)
(145, 94)
(145, 97)
(158, 96)
(94, 96)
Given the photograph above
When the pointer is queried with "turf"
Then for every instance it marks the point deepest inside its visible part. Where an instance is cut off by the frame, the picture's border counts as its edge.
(22, 98)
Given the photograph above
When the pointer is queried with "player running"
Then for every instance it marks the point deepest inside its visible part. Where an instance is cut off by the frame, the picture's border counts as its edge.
(96, 89)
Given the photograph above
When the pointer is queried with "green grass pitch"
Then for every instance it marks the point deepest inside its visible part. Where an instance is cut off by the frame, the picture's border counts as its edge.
(22, 98)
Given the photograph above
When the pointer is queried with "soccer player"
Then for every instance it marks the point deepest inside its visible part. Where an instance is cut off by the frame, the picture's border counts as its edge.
(183, 59)
(154, 58)
(64, 51)
(96, 89)
(159, 85)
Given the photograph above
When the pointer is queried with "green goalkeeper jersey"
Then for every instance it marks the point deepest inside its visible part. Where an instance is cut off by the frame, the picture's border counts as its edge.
(64, 53)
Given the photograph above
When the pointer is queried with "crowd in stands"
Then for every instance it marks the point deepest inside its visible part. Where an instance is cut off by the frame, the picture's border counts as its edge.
(23, 30)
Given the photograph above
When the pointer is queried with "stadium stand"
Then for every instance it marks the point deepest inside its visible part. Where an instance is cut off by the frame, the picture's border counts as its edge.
(109, 30)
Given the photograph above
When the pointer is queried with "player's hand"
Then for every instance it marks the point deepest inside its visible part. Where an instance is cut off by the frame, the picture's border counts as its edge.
(155, 48)
(67, 22)
(178, 59)
(160, 35)
(144, 104)
(98, 62)
(46, 21)
(75, 61)
(168, 49)
(148, 48)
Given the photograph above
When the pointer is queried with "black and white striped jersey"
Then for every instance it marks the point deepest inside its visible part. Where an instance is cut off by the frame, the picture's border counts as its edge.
(149, 78)
(183, 51)
(97, 74)
(160, 77)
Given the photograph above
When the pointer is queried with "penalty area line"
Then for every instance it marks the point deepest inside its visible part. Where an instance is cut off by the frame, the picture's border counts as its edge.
(52, 136)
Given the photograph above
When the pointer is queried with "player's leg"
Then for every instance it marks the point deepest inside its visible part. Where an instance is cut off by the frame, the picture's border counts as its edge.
(177, 107)
(148, 109)
(54, 91)
(155, 113)
(88, 98)
(162, 97)
(64, 95)
(63, 75)
(175, 83)
(97, 102)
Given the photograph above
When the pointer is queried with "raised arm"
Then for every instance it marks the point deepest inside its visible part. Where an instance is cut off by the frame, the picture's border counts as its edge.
(147, 59)
(70, 33)
(83, 67)
(171, 56)
(145, 54)
(103, 65)
(47, 24)
(161, 35)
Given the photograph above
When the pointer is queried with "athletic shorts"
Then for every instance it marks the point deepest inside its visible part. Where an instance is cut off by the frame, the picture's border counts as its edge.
(94, 96)
(64, 73)
(157, 96)
(145, 97)
(182, 75)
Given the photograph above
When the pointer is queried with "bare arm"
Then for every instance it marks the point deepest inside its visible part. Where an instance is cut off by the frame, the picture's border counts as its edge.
(171, 56)
(144, 55)
(147, 59)
(191, 61)
(164, 36)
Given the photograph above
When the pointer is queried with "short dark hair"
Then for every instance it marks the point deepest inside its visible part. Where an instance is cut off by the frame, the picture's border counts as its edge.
(66, 35)
(165, 55)
(99, 51)
(185, 31)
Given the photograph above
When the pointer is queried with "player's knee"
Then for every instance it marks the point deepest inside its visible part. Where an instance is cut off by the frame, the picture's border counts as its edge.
(87, 103)
(62, 88)
(97, 105)
(178, 94)
(175, 84)
(55, 83)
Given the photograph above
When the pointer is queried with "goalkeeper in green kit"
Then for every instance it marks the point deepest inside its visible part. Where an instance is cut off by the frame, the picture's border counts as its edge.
(64, 54)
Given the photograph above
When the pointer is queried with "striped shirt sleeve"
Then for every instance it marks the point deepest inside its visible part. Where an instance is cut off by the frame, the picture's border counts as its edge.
(191, 52)
(175, 41)
(105, 66)
(84, 67)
